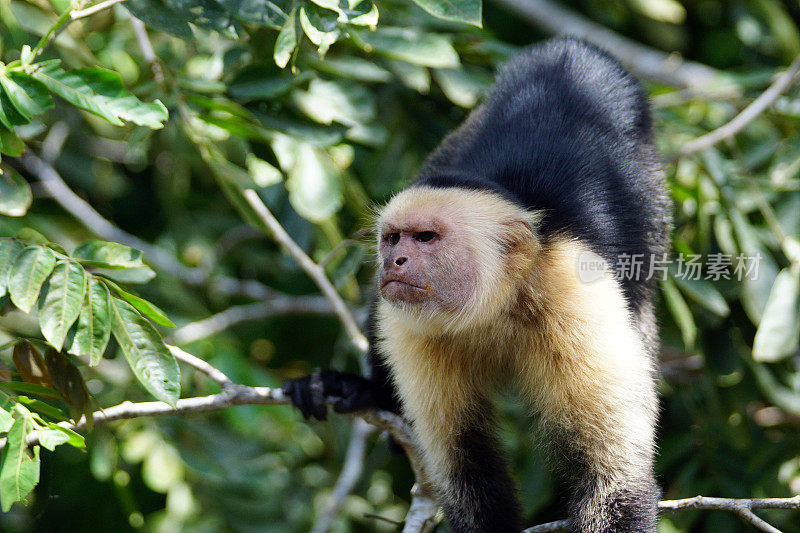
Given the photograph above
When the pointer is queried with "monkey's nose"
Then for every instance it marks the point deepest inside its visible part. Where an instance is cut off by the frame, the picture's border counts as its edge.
(400, 260)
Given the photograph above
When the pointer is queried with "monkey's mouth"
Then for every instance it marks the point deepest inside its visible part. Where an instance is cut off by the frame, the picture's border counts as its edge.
(401, 282)
(398, 290)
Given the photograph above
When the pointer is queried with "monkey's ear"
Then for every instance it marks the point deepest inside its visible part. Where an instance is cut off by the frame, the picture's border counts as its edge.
(521, 246)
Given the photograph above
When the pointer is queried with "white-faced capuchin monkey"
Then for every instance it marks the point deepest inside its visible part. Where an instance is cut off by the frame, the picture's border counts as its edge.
(480, 286)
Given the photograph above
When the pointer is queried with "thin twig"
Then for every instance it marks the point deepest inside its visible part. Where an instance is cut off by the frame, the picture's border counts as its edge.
(231, 316)
(147, 49)
(198, 364)
(314, 271)
(91, 10)
(757, 521)
(645, 61)
(55, 186)
(748, 114)
(351, 472)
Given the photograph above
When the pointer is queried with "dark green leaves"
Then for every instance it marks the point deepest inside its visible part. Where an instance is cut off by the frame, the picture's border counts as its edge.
(468, 11)
(78, 313)
(61, 302)
(150, 360)
(100, 92)
(89, 335)
(29, 271)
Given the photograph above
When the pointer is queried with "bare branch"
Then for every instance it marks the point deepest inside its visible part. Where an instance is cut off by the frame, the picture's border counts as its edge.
(314, 271)
(560, 525)
(748, 114)
(55, 186)
(647, 62)
(232, 396)
(212, 372)
(743, 507)
(758, 522)
(231, 316)
(351, 472)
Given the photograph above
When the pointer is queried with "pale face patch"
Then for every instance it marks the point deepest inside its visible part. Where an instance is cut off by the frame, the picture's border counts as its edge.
(445, 254)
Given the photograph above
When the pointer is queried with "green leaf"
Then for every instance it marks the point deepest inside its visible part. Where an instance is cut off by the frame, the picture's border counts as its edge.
(10, 144)
(286, 41)
(9, 250)
(15, 194)
(424, 49)
(89, 335)
(31, 268)
(28, 96)
(468, 11)
(61, 302)
(779, 330)
(152, 363)
(32, 236)
(143, 306)
(6, 420)
(312, 179)
(109, 89)
(101, 92)
(19, 471)
(159, 16)
(50, 438)
(104, 254)
(680, 312)
(75, 440)
(44, 408)
(29, 388)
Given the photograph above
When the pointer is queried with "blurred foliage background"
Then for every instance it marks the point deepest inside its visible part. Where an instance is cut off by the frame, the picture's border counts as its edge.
(326, 108)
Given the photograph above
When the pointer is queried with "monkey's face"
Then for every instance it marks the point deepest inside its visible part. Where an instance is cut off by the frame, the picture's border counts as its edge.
(453, 254)
(425, 263)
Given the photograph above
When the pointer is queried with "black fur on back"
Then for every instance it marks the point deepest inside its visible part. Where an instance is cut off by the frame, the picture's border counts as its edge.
(568, 131)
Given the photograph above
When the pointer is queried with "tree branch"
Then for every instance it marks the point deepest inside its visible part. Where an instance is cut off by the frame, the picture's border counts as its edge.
(198, 364)
(743, 507)
(647, 62)
(314, 271)
(748, 114)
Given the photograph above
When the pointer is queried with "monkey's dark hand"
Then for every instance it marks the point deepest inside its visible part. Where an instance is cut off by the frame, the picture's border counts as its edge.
(346, 392)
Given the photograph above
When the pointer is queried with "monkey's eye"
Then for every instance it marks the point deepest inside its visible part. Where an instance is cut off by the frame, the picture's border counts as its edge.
(393, 238)
(426, 236)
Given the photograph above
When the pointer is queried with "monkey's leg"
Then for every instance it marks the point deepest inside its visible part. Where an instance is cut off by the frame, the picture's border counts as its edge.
(443, 393)
(602, 419)
(470, 472)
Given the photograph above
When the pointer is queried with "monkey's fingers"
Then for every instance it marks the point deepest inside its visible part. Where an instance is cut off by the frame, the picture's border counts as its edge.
(307, 395)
